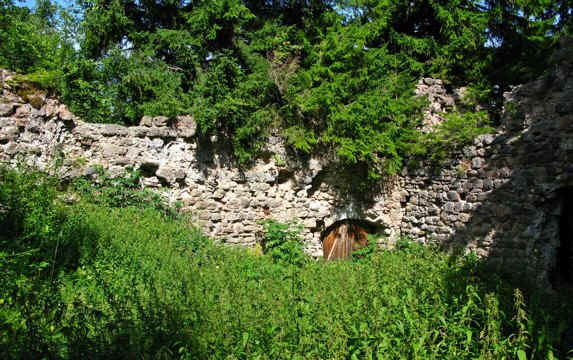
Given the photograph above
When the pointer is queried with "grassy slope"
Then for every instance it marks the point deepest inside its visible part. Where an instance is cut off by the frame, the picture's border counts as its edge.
(100, 281)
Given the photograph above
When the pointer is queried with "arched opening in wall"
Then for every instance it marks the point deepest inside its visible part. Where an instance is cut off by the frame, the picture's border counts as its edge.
(343, 237)
(564, 257)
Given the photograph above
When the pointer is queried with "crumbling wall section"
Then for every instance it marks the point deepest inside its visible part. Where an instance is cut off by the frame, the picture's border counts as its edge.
(501, 197)
(227, 202)
(498, 197)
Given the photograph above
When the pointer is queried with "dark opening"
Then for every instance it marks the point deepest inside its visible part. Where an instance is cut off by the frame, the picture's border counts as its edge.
(148, 169)
(343, 237)
(284, 175)
(564, 263)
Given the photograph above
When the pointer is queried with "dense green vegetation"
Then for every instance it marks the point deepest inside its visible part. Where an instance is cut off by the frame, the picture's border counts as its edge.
(335, 76)
(105, 270)
(118, 275)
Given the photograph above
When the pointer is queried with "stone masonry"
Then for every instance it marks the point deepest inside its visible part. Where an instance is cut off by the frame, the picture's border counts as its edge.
(499, 197)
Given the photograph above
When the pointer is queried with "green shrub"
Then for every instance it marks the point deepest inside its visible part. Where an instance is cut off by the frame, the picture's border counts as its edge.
(64, 268)
(457, 131)
(282, 242)
(121, 191)
(100, 281)
(366, 253)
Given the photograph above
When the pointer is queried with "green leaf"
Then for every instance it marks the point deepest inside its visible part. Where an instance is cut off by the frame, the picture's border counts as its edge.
(245, 339)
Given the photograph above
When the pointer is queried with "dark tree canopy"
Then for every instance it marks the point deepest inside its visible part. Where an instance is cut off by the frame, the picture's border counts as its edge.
(331, 75)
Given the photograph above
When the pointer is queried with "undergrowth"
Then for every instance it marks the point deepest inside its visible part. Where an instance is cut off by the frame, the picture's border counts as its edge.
(100, 279)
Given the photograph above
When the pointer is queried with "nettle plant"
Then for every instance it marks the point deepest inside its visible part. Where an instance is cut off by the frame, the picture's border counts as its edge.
(282, 242)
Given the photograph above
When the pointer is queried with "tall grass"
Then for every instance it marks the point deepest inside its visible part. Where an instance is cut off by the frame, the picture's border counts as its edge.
(97, 279)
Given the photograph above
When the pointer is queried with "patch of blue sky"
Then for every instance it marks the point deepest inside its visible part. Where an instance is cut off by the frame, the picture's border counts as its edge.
(31, 4)
(348, 13)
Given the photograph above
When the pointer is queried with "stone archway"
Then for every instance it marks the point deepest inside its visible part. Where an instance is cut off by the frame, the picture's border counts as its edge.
(343, 237)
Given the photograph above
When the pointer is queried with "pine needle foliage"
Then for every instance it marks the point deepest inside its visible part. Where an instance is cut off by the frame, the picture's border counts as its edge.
(330, 76)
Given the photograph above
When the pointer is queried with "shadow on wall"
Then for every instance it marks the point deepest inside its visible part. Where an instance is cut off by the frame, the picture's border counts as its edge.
(524, 223)
(563, 272)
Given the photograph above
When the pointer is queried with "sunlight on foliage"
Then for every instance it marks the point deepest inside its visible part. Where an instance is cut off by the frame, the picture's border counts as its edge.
(107, 279)
(335, 77)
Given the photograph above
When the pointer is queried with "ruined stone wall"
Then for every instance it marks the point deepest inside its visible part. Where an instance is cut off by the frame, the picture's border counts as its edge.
(499, 197)
(227, 202)
(502, 196)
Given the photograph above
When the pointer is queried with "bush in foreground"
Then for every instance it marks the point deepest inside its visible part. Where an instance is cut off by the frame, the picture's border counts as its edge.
(98, 280)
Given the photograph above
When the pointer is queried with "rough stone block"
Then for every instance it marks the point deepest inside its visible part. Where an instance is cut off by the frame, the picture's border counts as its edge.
(170, 174)
(64, 114)
(453, 196)
(111, 129)
(6, 109)
(477, 163)
(50, 109)
(152, 182)
(112, 150)
(9, 133)
(186, 126)
(146, 121)
(85, 131)
(245, 203)
(219, 194)
(160, 121)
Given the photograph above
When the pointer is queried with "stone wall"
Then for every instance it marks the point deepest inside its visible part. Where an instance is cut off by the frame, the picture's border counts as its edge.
(499, 197)
(226, 201)
(502, 197)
